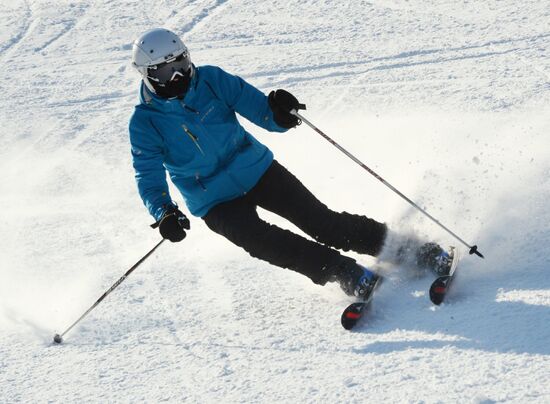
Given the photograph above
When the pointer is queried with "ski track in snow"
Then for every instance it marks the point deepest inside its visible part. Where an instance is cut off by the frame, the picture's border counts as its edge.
(200, 18)
(448, 101)
(19, 35)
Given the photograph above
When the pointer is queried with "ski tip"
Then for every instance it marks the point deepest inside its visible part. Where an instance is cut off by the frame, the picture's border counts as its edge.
(438, 290)
(437, 295)
(348, 326)
(352, 315)
(349, 321)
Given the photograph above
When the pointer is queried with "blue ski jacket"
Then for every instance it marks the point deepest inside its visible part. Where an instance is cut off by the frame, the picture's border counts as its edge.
(209, 156)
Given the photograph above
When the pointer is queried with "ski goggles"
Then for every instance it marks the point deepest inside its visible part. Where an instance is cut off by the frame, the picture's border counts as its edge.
(167, 71)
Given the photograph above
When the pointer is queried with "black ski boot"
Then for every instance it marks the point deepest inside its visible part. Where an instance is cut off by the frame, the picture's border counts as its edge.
(431, 256)
(355, 280)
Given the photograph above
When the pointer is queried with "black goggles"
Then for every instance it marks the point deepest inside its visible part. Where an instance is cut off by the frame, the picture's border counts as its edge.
(167, 71)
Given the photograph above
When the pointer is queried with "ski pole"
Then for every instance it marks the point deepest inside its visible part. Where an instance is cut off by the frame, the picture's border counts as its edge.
(473, 248)
(58, 338)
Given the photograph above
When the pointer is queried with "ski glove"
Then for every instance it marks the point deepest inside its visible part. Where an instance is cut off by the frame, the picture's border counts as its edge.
(281, 103)
(173, 224)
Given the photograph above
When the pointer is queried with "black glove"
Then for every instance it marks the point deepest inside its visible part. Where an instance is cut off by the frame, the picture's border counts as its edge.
(173, 225)
(281, 103)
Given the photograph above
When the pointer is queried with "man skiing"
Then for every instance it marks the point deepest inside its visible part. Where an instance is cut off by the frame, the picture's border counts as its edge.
(186, 124)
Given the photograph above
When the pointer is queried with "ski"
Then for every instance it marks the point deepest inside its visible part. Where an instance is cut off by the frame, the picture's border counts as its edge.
(355, 311)
(353, 314)
(440, 286)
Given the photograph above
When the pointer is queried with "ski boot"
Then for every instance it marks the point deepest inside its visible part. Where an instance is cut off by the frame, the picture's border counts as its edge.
(356, 280)
(431, 256)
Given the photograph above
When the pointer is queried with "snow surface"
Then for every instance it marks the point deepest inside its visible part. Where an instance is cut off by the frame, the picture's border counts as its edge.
(447, 100)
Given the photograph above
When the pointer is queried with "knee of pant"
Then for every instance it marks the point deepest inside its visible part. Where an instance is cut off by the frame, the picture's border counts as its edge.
(252, 235)
(321, 224)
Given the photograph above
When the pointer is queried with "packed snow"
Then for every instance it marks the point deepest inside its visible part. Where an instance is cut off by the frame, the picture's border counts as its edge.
(448, 100)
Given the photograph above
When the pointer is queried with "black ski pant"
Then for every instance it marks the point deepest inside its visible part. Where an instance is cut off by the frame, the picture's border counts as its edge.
(282, 193)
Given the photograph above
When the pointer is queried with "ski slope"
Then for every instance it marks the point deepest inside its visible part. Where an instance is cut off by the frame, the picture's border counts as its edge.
(447, 100)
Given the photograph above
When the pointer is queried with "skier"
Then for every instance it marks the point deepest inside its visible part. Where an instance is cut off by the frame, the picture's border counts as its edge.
(186, 124)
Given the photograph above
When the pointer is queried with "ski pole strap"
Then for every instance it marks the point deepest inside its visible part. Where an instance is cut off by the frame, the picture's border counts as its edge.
(167, 210)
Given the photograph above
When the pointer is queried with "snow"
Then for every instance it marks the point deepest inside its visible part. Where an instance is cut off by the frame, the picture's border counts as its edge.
(448, 101)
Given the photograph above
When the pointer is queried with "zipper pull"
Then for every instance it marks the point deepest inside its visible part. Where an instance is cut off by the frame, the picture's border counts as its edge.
(194, 138)
(191, 135)
(198, 179)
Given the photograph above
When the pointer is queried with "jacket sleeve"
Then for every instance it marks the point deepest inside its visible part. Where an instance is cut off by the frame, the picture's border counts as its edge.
(242, 97)
(147, 156)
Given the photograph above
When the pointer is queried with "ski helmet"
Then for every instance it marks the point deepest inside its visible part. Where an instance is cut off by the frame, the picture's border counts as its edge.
(163, 62)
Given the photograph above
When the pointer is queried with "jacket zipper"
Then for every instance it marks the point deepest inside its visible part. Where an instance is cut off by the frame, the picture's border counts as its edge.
(194, 138)
(198, 179)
